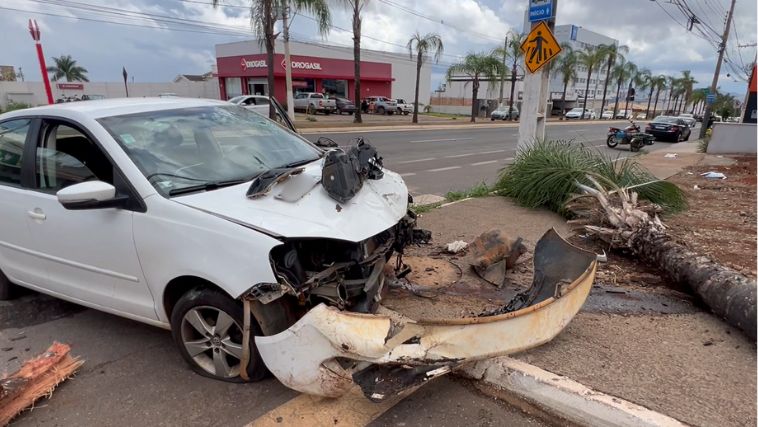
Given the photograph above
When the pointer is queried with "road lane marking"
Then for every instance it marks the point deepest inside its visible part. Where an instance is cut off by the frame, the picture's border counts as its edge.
(441, 140)
(408, 174)
(443, 169)
(484, 163)
(416, 161)
(474, 154)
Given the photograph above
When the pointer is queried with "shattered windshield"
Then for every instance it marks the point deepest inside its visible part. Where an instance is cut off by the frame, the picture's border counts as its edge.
(205, 147)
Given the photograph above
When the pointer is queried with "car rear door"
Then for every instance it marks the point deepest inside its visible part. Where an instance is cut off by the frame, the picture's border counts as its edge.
(18, 259)
(89, 254)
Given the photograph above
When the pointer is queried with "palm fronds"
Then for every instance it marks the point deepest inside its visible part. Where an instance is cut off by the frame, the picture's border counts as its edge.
(546, 175)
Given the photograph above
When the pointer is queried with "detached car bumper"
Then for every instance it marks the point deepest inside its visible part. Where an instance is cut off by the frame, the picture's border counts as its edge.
(327, 350)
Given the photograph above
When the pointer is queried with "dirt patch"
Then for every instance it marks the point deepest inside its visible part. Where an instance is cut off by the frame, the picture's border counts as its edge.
(721, 219)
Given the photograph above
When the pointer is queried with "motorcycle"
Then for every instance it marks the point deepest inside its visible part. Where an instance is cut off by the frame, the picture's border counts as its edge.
(631, 135)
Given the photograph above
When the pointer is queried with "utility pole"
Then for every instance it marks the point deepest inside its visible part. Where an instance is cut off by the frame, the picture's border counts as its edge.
(502, 75)
(34, 31)
(715, 82)
(288, 61)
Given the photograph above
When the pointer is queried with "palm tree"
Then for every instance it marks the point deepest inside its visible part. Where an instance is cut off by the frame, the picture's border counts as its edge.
(476, 66)
(622, 72)
(688, 82)
(263, 15)
(356, 7)
(698, 98)
(513, 51)
(658, 82)
(673, 85)
(428, 43)
(590, 58)
(65, 67)
(612, 53)
(566, 64)
(320, 10)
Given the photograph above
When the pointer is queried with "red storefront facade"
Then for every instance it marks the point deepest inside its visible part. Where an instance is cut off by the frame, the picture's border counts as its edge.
(247, 75)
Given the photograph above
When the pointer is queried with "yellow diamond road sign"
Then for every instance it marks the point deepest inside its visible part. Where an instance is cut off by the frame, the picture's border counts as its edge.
(539, 47)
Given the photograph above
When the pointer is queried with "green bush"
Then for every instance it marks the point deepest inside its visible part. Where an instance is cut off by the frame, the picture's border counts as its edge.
(702, 145)
(545, 175)
(12, 106)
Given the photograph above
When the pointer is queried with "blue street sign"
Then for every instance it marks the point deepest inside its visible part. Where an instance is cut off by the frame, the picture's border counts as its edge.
(540, 10)
(710, 98)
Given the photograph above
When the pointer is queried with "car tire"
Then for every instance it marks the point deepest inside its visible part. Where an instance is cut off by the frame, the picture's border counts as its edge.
(611, 141)
(688, 136)
(492, 119)
(194, 320)
(7, 289)
(380, 110)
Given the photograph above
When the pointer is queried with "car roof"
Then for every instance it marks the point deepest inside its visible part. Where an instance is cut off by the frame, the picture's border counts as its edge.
(114, 107)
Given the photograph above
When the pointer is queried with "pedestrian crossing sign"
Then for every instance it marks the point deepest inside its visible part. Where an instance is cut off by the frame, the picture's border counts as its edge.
(539, 47)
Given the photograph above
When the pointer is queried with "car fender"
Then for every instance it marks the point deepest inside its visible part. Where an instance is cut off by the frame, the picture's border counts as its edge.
(176, 240)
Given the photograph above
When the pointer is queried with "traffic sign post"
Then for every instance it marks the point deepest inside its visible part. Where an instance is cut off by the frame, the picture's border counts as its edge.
(710, 98)
(539, 48)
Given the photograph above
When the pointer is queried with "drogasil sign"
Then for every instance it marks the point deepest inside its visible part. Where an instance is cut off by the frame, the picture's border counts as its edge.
(296, 65)
(259, 63)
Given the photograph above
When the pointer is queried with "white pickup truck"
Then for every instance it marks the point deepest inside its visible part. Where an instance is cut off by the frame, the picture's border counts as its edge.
(314, 102)
(404, 107)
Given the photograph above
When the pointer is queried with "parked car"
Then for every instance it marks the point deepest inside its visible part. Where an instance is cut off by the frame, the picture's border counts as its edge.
(381, 105)
(404, 107)
(607, 114)
(576, 113)
(669, 128)
(171, 211)
(260, 104)
(622, 114)
(641, 116)
(504, 113)
(689, 119)
(250, 101)
(315, 103)
(344, 105)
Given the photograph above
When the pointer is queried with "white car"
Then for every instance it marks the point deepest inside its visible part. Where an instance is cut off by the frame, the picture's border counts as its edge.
(607, 114)
(576, 113)
(404, 107)
(179, 212)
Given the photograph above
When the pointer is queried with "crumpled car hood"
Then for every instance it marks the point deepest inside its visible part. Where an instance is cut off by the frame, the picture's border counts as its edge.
(300, 207)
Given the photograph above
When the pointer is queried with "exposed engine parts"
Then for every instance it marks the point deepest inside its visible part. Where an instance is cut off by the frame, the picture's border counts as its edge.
(344, 172)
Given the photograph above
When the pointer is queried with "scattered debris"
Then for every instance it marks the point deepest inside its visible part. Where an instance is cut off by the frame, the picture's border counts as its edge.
(456, 247)
(695, 187)
(36, 378)
(671, 155)
(602, 257)
(713, 175)
(493, 251)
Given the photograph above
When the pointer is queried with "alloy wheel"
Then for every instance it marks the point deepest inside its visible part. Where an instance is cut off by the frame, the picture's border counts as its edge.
(214, 340)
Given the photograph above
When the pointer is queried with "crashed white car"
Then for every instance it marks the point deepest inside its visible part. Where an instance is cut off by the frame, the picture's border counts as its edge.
(259, 250)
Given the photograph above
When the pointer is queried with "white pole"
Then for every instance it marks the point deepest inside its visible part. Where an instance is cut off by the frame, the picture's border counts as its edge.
(288, 64)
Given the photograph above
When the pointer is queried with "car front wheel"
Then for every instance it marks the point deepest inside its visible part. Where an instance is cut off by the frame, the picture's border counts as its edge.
(7, 289)
(207, 327)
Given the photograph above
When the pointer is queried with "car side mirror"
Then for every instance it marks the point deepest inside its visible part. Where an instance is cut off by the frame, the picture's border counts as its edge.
(326, 142)
(90, 195)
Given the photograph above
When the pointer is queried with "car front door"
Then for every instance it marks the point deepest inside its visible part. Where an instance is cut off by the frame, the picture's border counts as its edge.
(18, 259)
(89, 254)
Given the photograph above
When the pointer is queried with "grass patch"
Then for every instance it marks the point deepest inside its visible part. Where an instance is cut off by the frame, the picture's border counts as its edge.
(310, 118)
(479, 190)
(544, 175)
(702, 145)
(445, 115)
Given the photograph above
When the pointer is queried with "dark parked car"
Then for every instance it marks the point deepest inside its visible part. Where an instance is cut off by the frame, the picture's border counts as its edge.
(669, 128)
(345, 105)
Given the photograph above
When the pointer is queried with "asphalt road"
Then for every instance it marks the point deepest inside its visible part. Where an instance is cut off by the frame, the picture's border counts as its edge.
(438, 161)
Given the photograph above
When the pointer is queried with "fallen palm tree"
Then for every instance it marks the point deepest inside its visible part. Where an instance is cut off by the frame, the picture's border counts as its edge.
(620, 203)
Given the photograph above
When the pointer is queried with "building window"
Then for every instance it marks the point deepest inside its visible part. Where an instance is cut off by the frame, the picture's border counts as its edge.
(303, 85)
(257, 87)
(335, 88)
(233, 87)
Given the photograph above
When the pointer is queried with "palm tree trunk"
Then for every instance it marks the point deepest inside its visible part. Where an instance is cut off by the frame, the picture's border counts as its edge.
(418, 79)
(616, 105)
(655, 106)
(268, 10)
(629, 89)
(474, 96)
(586, 90)
(357, 59)
(649, 98)
(605, 88)
(513, 86)
(563, 100)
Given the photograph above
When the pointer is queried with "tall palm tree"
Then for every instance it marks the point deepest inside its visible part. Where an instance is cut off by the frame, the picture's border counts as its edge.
(317, 8)
(476, 66)
(263, 16)
(612, 53)
(566, 65)
(698, 98)
(622, 71)
(672, 85)
(590, 57)
(688, 83)
(513, 51)
(65, 67)
(640, 80)
(356, 7)
(423, 45)
(658, 82)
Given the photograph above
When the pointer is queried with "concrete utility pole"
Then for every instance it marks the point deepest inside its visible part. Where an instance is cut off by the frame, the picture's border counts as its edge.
(502, 75)
(532, 117)
(715, 82)
(288, 62)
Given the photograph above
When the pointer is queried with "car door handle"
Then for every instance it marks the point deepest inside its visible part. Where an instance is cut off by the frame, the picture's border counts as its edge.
(37, 214)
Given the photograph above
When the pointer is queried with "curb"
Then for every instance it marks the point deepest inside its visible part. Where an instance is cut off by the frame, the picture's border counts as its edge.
(560, 396)
(431, 126)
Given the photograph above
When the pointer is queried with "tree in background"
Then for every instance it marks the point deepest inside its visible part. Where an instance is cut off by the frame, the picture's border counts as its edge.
(566, 65)
(513, 51)
(423, 45)
(612, 53)
(698, 99)
(672, 83)
(65, 67)
(688, 82)
(640, 80)
(356, 7)
(591, 57)
(622, 72)
(476, 66)
(724, 105)
(658, 83)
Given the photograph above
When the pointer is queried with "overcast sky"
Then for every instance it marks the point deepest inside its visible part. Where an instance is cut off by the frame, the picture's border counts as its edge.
(153, 50)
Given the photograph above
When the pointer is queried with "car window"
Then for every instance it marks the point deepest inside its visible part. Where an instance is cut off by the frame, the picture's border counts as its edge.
(66, 157)
(188, 147)
(12, 137)
(237, 99)
(317, 95)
